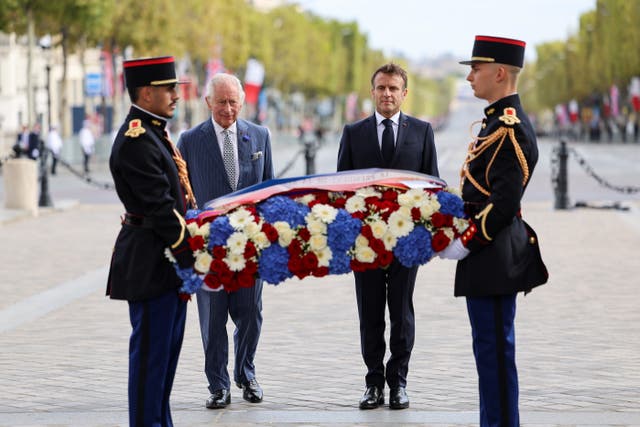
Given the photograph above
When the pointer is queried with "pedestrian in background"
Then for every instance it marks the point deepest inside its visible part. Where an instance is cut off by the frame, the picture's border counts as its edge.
(22, 142)
(224, 154)
(35, 144)
(498, 253)
(54, 145)
(87, 142)
(152, 183)
(387, 139)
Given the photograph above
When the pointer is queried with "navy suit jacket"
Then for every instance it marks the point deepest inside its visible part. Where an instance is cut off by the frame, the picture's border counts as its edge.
(415, 147)
(200, 149)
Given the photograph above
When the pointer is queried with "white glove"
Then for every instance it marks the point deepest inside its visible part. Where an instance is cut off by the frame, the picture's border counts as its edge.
(455, 250)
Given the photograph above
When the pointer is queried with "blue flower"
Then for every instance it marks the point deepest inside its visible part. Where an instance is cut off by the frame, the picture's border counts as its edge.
(342, 232)
(219, 231)
(282, 208)
(192, 214)
(340, 263)
(246, 137)
(273, 267)
(414, 248)
(191, 282)
(450, 204)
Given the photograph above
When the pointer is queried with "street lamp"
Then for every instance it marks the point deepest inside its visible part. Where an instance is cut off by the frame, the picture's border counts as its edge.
(45, 198)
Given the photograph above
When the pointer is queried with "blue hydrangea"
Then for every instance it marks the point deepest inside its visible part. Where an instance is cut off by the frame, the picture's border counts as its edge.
(340, 263)
(273, 267)
(219, 231)
(414, 248)
(192, 213)
(342, 232)
(191, 282)
(450, 204)
(282, 208)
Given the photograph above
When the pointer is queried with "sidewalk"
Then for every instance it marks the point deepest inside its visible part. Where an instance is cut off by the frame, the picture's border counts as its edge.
(63, 345)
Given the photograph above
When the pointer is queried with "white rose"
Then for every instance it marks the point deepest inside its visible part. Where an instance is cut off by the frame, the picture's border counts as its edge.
(378, 228)
(365, 254)
(317, 242)
(285, 234)
(261, 240)
(324, 256)
(203, 262)
(316, 226)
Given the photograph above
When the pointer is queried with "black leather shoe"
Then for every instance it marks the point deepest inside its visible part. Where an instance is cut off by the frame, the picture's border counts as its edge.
(372, 397)
(398, 398)
(251, 391)
(219, 399)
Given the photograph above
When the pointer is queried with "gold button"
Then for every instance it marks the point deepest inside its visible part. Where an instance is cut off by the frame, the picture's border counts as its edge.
(532, 240)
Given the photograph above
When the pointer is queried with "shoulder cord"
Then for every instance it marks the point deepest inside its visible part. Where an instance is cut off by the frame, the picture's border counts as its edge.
(475, 149)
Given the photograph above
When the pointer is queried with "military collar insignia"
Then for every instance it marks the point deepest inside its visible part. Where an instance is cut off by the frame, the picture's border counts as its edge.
(489, 111)
(135, 129)
(156, 122)
(509, 117)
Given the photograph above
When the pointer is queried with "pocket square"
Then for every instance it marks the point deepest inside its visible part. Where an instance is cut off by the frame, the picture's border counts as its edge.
(256, 155)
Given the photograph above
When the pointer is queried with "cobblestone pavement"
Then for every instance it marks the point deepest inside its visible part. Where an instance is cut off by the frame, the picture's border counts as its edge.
(63, 345)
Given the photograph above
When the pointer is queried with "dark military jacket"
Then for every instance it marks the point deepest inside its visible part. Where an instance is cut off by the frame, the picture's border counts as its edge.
(147, 182)
(504, 257)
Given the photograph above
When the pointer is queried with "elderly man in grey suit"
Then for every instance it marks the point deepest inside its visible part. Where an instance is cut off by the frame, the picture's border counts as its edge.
(224, 154)
(387, 139)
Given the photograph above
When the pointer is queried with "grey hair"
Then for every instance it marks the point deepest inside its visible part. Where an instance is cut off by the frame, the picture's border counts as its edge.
(224, 77)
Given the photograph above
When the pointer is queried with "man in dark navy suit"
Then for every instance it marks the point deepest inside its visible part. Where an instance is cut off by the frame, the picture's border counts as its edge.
(223, 154)
(499, 254)
(152, 182)
(387, 139)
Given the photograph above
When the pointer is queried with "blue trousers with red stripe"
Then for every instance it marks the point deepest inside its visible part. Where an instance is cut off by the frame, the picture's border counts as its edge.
(154, 347)
(494, 347)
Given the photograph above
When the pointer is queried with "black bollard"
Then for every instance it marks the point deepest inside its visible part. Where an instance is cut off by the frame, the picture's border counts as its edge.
(310, 156)
(562, 183)
(45, 198)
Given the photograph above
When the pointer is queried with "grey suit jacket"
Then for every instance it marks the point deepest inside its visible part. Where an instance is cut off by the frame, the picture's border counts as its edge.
(415, 148)
(200, 149)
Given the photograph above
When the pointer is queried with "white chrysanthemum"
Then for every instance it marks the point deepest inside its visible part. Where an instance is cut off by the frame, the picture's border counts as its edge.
(285, 234)
(368, 192)
(324, 256)
(378, 228)
(240, 218)
(365, 254)
(389, 241)
(306, 199)
(460, 224)
(169, 255)
(454, 190)
(400, 224)
(449, 233)
(261, 240)
(192, 228)
(237, 242)
(414, 197)
(315, 226)
(317, 242)
(251, 229)
(203, 262)
(355, 204)
(235, 262)
(429, 208)
(325, 213)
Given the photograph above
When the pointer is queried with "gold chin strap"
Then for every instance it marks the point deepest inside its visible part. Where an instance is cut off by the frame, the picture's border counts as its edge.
(480, 144)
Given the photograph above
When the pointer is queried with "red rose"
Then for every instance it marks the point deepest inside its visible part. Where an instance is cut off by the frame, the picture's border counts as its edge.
(310, 261)
(196, 242)
(219, 252)
(270, 231)
(245, 280)
(384, 258)
(366, 231)
(212, 281)
(322, 198)
(217, 265)
(439, 241)
(295, 248)
(321, 271)
(251, 268)
(359, 215)
(390, 195)
(250, 250)
(294, 264)
(377, 245)
(304, 234)
(415, 214)
(340, 202)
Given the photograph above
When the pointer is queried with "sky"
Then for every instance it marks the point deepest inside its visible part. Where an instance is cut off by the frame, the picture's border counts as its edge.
(429, 28)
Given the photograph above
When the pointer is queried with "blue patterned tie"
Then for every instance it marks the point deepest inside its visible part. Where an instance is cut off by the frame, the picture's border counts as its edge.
(387, 142)
(229, 159)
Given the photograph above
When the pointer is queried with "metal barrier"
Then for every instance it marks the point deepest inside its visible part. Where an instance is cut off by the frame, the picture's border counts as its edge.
(560, 180)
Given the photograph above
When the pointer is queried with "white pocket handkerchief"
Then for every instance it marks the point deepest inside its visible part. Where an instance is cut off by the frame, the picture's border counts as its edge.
(256, 155)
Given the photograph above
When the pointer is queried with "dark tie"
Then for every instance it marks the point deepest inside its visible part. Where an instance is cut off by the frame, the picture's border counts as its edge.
(387, 142)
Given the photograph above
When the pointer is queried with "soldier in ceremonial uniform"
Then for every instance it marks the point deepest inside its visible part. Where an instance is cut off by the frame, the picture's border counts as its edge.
(152, 182)
(499, 254)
